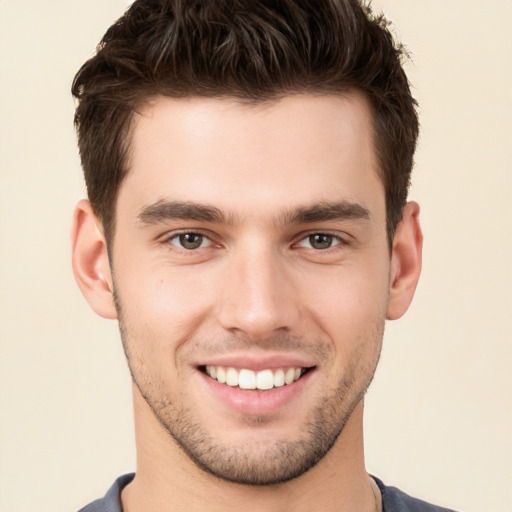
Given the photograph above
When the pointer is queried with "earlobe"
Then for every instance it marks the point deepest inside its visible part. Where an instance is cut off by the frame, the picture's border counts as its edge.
(90, 261)
(405, 262)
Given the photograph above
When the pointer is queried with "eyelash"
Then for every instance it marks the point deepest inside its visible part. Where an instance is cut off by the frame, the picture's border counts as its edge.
(335, 239)
(174, 236)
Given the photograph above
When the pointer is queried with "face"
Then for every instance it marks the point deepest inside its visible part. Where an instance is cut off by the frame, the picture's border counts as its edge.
(251, 275)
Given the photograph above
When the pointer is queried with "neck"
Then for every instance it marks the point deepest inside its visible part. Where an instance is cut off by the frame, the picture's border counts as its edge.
(167, 480)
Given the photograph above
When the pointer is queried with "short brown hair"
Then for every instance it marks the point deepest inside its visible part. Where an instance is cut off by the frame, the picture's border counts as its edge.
(246, 49)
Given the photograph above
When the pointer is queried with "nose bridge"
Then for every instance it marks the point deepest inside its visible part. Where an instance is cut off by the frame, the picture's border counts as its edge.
(257, 298)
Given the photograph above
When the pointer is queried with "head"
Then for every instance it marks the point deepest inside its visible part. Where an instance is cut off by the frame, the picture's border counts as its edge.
(247, 166)
(250, 51)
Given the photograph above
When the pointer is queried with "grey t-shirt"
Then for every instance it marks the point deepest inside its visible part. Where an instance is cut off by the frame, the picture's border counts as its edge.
(393, 500)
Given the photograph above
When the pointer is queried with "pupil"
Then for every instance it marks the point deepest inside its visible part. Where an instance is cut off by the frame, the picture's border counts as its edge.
(191, 240)
(320, 241)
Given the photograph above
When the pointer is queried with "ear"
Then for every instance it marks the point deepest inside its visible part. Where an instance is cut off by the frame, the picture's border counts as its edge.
(405, 262)
(90, 261)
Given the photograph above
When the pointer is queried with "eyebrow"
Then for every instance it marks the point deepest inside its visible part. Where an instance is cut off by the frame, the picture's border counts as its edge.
(185, 210)
(325, 211)
(181, 210)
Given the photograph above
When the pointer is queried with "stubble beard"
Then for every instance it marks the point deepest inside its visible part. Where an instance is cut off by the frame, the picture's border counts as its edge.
(260, 463)
(265, 462)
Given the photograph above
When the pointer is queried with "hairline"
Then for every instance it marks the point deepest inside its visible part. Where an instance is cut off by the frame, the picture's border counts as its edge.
(147, 101)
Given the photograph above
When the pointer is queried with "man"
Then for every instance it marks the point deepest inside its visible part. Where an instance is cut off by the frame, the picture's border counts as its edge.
(247, 166)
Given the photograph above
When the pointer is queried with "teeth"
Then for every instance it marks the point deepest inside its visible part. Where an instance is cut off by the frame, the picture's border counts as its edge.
(246, 379)
(231, 377)
(265, 379)
(289, 376)
(221, 374)
(249, 379)
(279, 378)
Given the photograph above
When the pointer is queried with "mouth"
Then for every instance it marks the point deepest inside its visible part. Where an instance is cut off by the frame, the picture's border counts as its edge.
(247, 379)
(261, 386)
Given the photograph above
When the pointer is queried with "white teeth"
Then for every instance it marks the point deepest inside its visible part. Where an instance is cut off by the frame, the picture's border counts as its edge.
(279, 378)
(231, 377)
(249, 379)
(289, 376)
(221, 375)
(265, 379)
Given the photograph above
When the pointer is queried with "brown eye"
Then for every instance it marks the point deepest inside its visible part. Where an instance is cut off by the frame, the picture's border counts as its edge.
(190, 241)
(321, 241)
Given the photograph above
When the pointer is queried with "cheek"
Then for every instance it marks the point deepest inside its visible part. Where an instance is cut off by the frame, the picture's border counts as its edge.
(349, 301)
(165, 305)
(158, 316)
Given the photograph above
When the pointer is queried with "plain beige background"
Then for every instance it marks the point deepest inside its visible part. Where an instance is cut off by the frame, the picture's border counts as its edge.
(439, 414)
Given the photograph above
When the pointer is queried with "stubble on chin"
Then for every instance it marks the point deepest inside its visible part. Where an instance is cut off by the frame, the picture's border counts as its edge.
(262, 461)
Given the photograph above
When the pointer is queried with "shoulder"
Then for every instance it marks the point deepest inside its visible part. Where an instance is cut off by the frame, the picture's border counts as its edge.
(111, 502)
(394, 500)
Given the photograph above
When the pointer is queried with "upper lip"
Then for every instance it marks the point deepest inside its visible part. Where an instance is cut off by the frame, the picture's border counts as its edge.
(257, 363)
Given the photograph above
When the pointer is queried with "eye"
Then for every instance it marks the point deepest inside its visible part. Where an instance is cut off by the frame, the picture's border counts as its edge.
(190, 241)
(319, 241)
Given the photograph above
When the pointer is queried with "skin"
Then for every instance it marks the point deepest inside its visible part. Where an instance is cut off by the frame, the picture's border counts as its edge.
(255, 183)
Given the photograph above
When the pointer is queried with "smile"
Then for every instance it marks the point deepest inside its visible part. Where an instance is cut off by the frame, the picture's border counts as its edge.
(249, 379)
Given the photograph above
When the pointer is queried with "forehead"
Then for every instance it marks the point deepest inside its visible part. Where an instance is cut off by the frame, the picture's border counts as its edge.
(295, 150)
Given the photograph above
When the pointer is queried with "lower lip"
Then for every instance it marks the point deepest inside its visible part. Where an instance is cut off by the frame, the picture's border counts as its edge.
(256, 402)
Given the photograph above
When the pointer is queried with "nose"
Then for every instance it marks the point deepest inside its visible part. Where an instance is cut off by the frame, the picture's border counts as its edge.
(258, 297)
